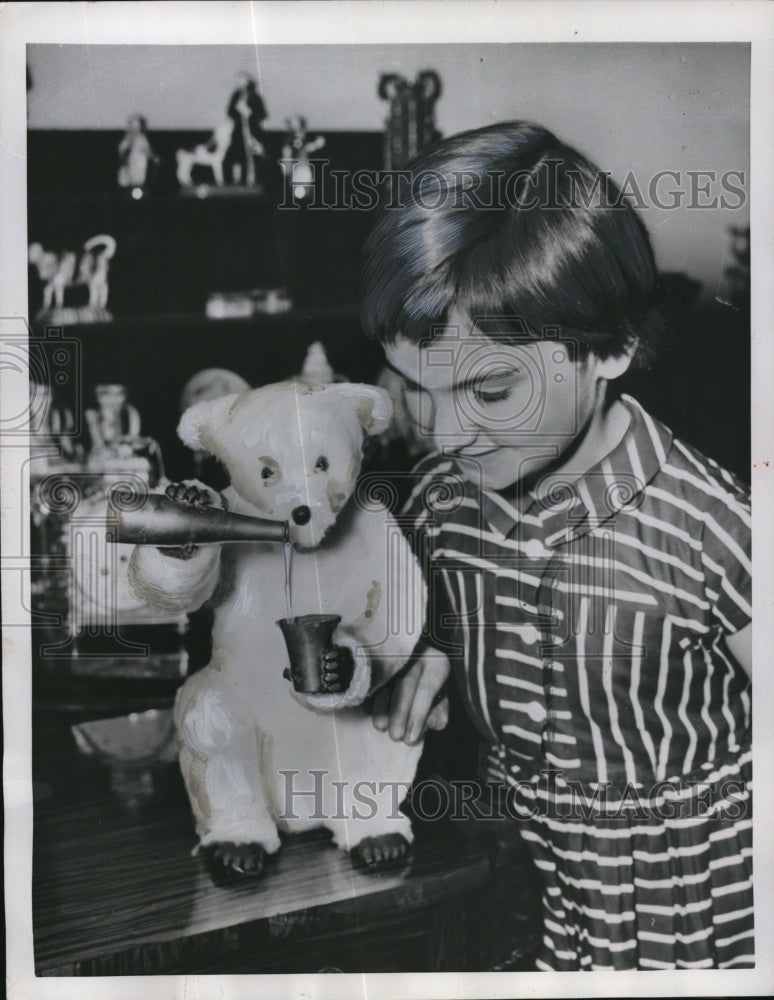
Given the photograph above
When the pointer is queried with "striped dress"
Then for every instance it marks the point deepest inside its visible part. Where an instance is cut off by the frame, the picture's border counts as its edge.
(588, 638)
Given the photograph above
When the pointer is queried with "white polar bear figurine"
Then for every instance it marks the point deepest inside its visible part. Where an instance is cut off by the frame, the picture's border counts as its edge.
(258, 757)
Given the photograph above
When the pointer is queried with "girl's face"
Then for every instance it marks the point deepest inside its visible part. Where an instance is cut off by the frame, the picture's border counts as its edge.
(504, 411)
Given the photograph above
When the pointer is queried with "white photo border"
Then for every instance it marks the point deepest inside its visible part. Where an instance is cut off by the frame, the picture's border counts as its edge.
(568, 21)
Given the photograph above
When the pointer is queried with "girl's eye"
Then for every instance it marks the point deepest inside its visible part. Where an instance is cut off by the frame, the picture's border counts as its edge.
(491, 397)
(321, 465)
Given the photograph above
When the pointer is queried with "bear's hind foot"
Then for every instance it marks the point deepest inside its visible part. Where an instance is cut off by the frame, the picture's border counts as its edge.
(390, 850)
(236, 859)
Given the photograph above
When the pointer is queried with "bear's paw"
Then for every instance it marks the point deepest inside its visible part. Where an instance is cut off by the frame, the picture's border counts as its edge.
(389, 850)
(236, 859)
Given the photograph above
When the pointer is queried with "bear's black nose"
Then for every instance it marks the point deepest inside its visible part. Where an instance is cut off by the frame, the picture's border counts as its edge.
(301, 515)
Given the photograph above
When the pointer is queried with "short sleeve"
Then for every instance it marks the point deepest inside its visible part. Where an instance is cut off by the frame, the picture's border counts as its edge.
(420, 477)
(726, 557)
(419, 522)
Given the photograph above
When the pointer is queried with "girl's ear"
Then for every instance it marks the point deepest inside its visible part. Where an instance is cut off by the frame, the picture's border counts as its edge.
(613, 367)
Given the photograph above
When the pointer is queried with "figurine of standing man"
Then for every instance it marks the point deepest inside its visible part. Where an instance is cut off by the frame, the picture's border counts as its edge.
(248, 113)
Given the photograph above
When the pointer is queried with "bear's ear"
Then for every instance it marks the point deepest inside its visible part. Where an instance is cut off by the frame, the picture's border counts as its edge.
(199, 421)
(373, 406)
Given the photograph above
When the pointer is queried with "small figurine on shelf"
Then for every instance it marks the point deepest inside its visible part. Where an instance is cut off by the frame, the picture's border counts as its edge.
(137, 161)
(116, 442)
(235, 146)
(208, 154)
(271, 301)
(120, 463)
(69, 269)
(411, 122)
(114, 421)
(248, 114)
(299, 176)
(117, 445)
(317, 368)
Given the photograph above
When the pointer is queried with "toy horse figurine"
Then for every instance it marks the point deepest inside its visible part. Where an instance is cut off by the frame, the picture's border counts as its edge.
(69, 269)
(208, 154)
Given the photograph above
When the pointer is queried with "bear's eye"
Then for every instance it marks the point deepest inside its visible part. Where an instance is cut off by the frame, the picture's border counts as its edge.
(269, 470)
(321, 465)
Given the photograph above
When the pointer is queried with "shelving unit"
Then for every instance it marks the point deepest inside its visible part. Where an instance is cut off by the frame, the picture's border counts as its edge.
(174, 249)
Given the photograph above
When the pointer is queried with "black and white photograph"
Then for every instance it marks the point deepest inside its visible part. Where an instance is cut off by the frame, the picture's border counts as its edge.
(386, 424)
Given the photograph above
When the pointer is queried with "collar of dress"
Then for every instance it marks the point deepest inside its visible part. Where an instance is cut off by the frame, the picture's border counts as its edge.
(571, 508)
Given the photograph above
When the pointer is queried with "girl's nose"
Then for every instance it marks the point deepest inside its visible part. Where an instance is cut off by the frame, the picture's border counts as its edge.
(451, 429)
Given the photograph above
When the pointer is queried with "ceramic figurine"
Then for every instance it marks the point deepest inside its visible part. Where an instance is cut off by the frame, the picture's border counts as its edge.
(316, 366)
(113, 423)
(411, 122)
(248, 114)
(251, 744)
(210, 154)
(136, 156)
(295, 164)
(69, 269)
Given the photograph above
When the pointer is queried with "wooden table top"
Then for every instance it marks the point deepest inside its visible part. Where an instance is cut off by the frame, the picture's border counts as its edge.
(113, 868)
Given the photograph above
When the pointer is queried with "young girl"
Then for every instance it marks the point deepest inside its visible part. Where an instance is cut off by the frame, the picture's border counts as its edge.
(591, 572)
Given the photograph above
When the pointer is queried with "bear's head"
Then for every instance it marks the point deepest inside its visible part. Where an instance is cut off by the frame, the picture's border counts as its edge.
(293, 449)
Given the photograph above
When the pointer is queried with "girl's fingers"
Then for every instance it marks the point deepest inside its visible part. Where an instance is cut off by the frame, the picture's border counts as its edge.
(381, 709)
(439, 716)
(403, 700)
(411, 705)
(435, 670)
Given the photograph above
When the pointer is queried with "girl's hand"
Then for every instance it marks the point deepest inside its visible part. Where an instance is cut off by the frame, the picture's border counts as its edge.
(415, 702)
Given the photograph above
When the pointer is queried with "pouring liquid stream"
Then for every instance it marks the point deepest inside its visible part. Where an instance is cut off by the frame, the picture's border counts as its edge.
(288, 580)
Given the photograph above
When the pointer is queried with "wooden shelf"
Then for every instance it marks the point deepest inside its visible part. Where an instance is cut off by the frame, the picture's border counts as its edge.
(181, 321)
(116, 890)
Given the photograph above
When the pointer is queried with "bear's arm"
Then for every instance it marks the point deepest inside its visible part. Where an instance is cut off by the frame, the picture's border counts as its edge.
(400, 621)
(170, 585)
(392, 623)
(382, 601)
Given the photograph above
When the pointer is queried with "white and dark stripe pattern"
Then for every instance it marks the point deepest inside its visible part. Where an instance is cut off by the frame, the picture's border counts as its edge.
(591, 636)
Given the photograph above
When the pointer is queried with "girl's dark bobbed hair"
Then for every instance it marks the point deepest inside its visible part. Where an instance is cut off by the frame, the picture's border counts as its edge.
(520, 232)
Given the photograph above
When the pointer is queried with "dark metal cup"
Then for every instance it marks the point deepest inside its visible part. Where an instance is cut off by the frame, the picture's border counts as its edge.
(307, 637)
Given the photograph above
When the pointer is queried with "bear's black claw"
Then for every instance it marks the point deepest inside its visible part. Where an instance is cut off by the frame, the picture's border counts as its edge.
(389, 850)
(237, 859)
(338, 669)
